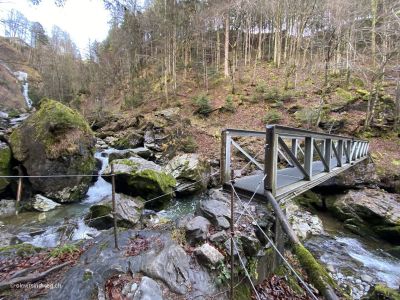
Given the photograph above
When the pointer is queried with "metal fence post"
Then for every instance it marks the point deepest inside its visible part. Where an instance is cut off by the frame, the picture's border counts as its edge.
(271, 159)
(232, 236)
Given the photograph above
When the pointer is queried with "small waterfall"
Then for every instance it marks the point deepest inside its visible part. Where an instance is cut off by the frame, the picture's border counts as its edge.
(101, 188)
(23, 77)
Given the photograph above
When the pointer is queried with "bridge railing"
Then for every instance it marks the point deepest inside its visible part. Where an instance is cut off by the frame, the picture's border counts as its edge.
(313, 154)
(330, 151)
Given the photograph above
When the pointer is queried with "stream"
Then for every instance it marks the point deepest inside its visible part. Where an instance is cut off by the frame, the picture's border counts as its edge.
(355, 262)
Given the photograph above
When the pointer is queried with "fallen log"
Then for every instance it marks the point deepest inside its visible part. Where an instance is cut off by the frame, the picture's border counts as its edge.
(31, 278)
(318, 276)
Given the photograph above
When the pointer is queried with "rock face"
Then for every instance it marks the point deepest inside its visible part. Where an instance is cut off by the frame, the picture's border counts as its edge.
(371, 209)
(197, 229)
(163, 261)
(303, 222)
(360, 175)
(55, 140)
(5, 158)
(41, 203)
(7, 208)
(128, 209)
(190, 172)
(138, 177)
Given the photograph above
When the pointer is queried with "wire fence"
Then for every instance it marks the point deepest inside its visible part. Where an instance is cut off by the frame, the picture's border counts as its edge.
(245, 206)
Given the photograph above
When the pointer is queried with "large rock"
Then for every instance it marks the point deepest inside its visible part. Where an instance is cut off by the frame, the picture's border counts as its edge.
(128, 139)
(148, 290)
(41, 203)
(56, 140)
(371, 210)
(217, 212)
(7, 208)
(5, 158)
(197, 229)
(138, 177)
(190, 172)
(128, 212)
(360, 175)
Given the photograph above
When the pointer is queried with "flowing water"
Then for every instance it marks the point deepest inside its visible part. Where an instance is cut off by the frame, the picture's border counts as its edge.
(355, 262)
(23, 77)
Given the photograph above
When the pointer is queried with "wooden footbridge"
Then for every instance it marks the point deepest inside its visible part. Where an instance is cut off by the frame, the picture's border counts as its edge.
(294, 161)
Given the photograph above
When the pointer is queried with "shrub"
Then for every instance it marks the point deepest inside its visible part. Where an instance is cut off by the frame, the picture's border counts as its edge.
(188, 145)
(228, 106)
(271, 94)
(203, 105)
(344, 95)
(261, 87)
(307, 115)
(272, 116)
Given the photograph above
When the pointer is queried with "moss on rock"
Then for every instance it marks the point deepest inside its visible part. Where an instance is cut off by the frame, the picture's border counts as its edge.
(382, 292)
(5, 158)
(56, 140)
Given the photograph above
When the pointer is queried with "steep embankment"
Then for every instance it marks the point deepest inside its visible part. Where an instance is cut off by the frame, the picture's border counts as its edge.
(13, 58)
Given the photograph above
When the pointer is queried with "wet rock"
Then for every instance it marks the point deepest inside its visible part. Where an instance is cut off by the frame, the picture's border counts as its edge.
(222, 223)
(303, 222)
(381, 291)
(128, 212)
(219, 237)
(148, 290)
(214, 210)
(197, 229)
(56, 140)
(366, 278)
(216, 194)
(7, 208)
(208, 254)
(138, 177)
(190, 172)
(41, 203)
(371, 210)
(5, 160)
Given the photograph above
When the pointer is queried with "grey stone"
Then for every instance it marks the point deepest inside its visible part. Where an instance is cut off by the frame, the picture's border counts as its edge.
(7, 207)
(366, 278)
(148, 290)
(208, 254)
(128, 212)
(219, 237)
(41, 203)
(212, 209)
(197, 229)
(223, 223)
(190, 171)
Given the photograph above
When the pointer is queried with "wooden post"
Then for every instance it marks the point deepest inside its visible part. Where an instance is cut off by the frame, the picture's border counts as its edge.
(340, 153)
(225, 163)
(294, 147)
(232, 237)
(114, 206)
(19, 194)
(308, 156)
(328, 154)
(271, 160)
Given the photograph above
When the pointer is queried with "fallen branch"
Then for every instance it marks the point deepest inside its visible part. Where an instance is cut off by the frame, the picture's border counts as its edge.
(31, 278)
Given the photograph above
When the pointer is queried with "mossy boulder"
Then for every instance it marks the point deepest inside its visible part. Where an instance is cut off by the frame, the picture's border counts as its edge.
(191, 173)
(382, 292)
(5, 158)
(56, 140)
(136, 176)
(128, 212)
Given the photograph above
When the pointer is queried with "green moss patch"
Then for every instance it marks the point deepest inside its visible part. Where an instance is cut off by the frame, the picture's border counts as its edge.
(382, 292)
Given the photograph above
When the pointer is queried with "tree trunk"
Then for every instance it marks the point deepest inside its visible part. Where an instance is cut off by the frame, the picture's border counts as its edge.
(226, 58)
